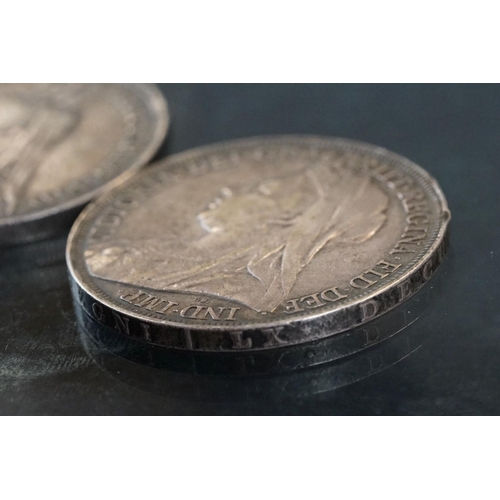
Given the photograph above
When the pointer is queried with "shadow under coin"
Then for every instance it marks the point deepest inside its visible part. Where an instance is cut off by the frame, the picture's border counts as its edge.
(299, 371)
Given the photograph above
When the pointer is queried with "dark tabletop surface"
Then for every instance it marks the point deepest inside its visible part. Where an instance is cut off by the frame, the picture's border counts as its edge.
(435, 354)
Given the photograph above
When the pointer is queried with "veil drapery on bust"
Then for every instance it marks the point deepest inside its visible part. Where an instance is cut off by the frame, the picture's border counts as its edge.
(257, 239)
(29, 131)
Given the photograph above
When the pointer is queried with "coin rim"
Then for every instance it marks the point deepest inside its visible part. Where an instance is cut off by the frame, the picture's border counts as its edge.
(433, 246)
(156, 103)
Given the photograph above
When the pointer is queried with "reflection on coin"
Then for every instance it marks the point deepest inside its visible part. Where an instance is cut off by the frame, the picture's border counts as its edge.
(259, 243)
(263, 361)
(61, 144)
(300, 371)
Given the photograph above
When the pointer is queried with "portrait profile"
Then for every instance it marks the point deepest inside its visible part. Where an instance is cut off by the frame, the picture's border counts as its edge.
(250, 242)
(31, 126)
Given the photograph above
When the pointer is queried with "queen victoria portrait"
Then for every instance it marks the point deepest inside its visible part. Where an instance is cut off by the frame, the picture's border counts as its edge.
(58, 141)
(250, 242)
(31, 127)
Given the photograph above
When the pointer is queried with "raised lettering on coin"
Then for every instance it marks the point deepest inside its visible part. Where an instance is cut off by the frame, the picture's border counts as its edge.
(261, 243)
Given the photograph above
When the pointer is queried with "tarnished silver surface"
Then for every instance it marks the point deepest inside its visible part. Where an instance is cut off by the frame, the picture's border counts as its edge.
(273, 374)
(62, 144)
(258, 243)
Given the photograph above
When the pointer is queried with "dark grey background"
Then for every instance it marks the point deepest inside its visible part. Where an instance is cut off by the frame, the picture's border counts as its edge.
(450, 353)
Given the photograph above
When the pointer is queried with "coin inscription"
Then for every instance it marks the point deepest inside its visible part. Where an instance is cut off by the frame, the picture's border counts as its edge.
(250, 243)
(262, 233)
(61, 143)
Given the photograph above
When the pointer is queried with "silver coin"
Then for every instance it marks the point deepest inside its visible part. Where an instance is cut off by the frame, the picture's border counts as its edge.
(62, 144)
(258, 243)
(268, 361)
(237, 376)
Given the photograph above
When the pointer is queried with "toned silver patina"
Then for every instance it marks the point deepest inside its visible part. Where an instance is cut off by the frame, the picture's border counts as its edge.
(62, 144)
(258, 243)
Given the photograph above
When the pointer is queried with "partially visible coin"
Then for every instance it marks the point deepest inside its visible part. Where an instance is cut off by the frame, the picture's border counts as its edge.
(62, 144)
(259, 243)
